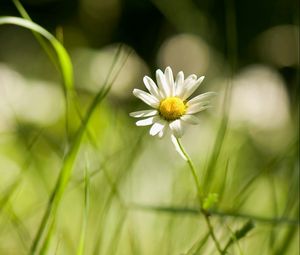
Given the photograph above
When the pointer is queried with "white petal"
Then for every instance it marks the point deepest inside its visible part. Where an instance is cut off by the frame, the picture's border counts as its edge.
(162, 83)
(170, 80)
(156, 128)
(179, 82)
(165, 131)
(198, 107)
(146, 122)
(162, 133)
(177, 147)
(176, 128)
(144, 113)
(190, 87)
(190, 119)
(181, 89)
(205, 96)
(151, 86)
(146, 97)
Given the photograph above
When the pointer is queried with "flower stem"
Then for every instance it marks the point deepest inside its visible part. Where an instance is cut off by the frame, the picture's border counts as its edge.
(193, 171)
(200, 197)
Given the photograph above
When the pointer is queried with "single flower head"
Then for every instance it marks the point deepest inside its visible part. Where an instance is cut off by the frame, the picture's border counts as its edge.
(171, 103)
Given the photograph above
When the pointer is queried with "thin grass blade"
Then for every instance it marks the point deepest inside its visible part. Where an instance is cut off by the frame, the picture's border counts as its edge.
(38, 37)
(196, 248)
(69, 161)
(64, 60)
(81, 246)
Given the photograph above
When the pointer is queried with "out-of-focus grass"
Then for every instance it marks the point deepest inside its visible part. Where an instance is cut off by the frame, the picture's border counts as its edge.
(63, 57)
(138, 195)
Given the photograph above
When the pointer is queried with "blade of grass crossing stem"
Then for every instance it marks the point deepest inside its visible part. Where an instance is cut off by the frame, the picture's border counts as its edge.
(62, 55)
(195, 211)
(196, 248)
(239, 234)
(67, 168)
(166, 209)
(232, 234)
(38, 37)
(81, 246)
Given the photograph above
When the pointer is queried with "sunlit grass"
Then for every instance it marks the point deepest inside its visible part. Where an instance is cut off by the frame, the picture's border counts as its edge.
(106, 187)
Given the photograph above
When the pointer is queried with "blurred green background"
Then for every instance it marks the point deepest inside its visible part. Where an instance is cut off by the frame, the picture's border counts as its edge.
(141, 192)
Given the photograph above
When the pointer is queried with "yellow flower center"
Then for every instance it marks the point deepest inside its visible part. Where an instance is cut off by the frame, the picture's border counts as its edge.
(172, 108)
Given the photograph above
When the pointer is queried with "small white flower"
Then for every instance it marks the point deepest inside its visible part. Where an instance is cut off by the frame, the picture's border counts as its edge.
(171, 106)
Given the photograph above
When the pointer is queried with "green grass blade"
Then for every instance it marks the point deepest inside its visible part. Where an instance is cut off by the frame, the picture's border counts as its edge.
(196, 248)
(6, 195)
(38, 37)
(114, 242)
(166, 209)
(48, 239)
(67, 168)
(211, 167)
(81, 246)
(196, 211)
(222, 188)
(239, 234)
(136, 148)
(50, 53)
(19, 226)
(62, 55)
(285, 242)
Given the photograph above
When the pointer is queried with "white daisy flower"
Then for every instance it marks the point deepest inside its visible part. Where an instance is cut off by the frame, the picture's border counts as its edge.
(170, 102)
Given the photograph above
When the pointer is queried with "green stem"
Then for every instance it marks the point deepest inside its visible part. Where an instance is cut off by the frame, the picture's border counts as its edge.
(193, 171)
(200, 197)
(211, 232)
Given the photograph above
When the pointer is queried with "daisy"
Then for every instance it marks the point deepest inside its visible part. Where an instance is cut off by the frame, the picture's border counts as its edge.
(171, 103)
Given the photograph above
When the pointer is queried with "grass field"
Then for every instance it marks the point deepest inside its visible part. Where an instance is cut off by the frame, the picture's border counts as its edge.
(77, 176)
